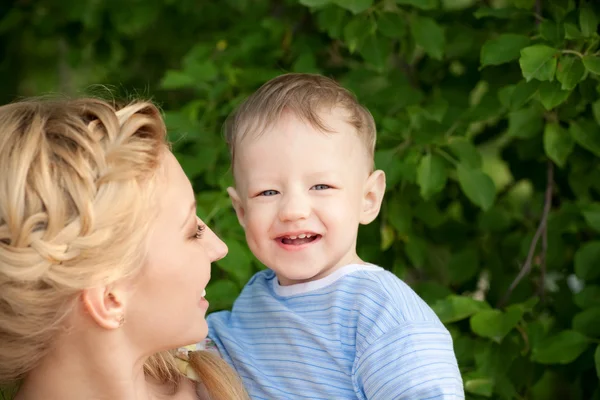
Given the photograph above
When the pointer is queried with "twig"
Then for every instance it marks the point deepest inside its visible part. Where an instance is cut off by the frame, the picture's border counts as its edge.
(542, 287)
(536, 237)
(538, 12)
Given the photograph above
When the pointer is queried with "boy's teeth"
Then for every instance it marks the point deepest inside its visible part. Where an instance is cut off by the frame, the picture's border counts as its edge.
(204, 293)
(293, 237)
(301, 236)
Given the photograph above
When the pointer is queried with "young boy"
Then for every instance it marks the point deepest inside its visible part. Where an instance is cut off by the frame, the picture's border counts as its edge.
(321, 323)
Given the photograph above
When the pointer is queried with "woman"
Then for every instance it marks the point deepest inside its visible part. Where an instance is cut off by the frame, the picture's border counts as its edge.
(103, 262)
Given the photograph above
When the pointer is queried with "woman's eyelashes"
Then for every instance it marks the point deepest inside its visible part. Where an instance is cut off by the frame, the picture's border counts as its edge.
(199, 231)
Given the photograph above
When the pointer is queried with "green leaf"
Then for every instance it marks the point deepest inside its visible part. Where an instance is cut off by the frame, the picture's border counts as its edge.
(552, 31)
(586, 261)
(591, 214)
(387, 237)
(422, 4)
(588, 297)
(429, 35)
(572, 32)
(466, 152)
(538, 62)
(522, 93)
(355, 6)
(597, 360)
(586, 322)
(221, 294)
(503, 49)
(416, 250)
(480, 386)
(455, 308)
(391, 25)
(315, 3)
(176, 80)
(355, 33)
(495, 324)
(592, 64)
(587, 20)
(375, 50)
(558, 143)
(431, 175)
(523, 4)
(525, 123)
(562, 348)
(477, 186)
(238, 262)
(463, 265)
(569, 72)
(587, 134)
(500, 13)
(551, 95)
(596, 111)
(400, 215)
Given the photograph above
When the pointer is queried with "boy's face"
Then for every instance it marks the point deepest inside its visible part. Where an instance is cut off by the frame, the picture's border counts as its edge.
(301, 195)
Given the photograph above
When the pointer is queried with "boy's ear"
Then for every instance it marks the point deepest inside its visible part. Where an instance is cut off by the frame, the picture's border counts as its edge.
(237, 205)
(372, 197)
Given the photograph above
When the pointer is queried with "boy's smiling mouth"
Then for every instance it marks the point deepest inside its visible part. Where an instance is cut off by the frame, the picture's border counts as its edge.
(298, 239)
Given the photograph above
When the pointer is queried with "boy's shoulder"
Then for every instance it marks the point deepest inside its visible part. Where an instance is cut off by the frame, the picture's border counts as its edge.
(377, 288)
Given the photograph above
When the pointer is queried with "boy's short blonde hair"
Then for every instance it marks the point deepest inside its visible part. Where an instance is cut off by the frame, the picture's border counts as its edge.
(306, 96)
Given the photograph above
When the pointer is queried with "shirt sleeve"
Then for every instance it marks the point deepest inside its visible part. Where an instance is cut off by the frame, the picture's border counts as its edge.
(412, 361)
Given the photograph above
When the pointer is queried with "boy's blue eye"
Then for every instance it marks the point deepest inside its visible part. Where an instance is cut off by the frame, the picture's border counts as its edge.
(269, 193)
(321, 187)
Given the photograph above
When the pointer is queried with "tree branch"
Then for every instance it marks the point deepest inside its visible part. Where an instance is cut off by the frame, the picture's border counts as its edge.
(541, 230)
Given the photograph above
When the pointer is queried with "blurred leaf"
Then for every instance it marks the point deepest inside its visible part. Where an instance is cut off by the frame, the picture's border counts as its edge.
(522, 93)
(391, 25)
(480, 386)
(586, 260)
(569, 72)
(558, 143)
(315, 3)
(176, 80)
(355, 6)
(495, 324)
(538, 62)
(416, 250)
(431, 175)
(466, 152)
(422, 4)
(551, 95)
(387, 237)
(429, 35)
(591, 213)
(588, 297)
(375, 50)
(562, 348)
(238, 262)
(463, 265)
(455, 308)
(587, 20)
(221, 294)
(500, 13)
(400, 215)
(552, 31)
(355, 33)
(592, 64)
(503, 49)
(596, 111)
(477, 186)
(586, 322)
(597, 360)
(525, 123)
(587, 134)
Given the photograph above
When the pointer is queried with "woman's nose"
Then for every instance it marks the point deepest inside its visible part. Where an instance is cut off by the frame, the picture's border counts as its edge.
(217, 248)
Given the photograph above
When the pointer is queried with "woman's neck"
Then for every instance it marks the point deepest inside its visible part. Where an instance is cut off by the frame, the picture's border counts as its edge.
(93, 370)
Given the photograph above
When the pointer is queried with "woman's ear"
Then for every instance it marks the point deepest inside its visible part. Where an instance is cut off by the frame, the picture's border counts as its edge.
(237, 205)
(372, 197)
(106, 306)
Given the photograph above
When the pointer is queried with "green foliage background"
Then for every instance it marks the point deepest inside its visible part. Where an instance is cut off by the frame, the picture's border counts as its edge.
(489, 132)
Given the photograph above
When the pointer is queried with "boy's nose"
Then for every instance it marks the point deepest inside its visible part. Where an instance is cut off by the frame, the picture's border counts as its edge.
(294, 208)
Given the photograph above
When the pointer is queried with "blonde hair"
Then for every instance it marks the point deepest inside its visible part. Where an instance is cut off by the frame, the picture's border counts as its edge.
(76, 188)
(306, 96)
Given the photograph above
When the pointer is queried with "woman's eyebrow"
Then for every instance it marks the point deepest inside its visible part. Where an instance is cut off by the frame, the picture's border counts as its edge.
(192, 210)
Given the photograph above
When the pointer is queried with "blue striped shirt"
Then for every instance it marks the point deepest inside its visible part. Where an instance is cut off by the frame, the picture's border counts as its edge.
(359, 333)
